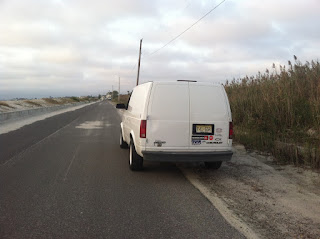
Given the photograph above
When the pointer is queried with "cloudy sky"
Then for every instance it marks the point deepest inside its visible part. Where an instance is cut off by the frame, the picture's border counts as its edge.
(81, 47)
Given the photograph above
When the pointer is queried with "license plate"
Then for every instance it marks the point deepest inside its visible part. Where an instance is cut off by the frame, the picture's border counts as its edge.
(204, 129)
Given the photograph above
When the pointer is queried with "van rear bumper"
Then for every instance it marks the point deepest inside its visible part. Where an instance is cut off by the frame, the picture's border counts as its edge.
(187, 156)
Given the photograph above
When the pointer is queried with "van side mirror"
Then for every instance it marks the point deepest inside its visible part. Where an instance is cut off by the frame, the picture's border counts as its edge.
(121, 106)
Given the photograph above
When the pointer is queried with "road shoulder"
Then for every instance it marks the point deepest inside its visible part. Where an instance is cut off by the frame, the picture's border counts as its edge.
(260, 198)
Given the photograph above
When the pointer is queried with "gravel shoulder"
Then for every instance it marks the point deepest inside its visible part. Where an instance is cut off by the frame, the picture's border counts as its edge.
(260, 198)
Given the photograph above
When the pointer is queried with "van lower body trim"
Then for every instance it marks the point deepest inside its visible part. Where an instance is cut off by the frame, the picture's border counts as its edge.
(187, 156)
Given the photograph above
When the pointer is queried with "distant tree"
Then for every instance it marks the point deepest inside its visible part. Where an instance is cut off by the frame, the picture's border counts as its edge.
(115, 94)
(99, 96)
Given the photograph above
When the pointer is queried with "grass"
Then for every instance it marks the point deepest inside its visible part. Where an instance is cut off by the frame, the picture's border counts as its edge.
(52, 101)
(33, 103)
(6, 105)
(75, 99)
(123, 99)
(279, 112)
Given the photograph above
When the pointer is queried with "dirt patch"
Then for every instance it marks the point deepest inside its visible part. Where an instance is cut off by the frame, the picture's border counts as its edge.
(274, 201)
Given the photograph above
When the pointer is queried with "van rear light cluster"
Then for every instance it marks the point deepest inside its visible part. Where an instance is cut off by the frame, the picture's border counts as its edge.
(143, 129)
(230, 130)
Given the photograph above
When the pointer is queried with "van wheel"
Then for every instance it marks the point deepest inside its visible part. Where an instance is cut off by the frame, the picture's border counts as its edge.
(213, 165)
(135, 160)
(123, 144)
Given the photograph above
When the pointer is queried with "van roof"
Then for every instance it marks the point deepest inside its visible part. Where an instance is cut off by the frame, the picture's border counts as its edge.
(182, 83)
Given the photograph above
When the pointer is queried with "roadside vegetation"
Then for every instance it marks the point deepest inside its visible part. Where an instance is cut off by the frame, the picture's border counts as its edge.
(122, 99)
(279, 112)
(52, 101)
(30, 102)
(5, 104)
(85, 99)
(71, 99)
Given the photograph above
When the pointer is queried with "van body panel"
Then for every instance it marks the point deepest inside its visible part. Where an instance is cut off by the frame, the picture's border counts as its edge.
(134, 114)
(207, 103)
(168, 116)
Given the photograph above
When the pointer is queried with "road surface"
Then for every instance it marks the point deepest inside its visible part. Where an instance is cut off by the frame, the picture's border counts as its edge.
(66, 177)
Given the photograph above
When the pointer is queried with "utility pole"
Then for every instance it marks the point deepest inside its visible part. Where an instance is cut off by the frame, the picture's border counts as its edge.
(119, 91)
(139, 62)
(112, 92)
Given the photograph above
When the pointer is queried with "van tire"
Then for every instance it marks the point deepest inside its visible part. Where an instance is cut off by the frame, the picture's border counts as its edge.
(123, 144)
(213, 165)
(135, 160)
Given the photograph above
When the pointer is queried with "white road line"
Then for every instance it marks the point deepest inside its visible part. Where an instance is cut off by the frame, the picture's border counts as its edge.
(74, 156)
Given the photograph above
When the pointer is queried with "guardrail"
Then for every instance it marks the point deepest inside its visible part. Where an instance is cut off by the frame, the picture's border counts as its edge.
(7, 116)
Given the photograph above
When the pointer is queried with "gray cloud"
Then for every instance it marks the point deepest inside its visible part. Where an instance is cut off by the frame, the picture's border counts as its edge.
(59, 47)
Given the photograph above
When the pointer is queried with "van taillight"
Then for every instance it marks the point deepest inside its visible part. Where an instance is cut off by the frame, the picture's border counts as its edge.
(230, 130)
(143, 128)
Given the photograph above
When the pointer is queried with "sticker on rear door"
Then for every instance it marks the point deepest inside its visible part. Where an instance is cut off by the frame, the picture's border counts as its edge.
(213, 142)
(196, 142)
(199, 137)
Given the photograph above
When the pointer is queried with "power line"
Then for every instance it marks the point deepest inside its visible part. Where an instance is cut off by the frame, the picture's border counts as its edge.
(186, 29)
(134, 66)
(142, 55)
(175, 38)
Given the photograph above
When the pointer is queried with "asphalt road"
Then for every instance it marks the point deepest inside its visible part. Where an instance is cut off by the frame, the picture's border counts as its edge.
(66, 177)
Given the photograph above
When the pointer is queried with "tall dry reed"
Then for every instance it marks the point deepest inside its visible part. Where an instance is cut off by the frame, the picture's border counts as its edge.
(279, 111)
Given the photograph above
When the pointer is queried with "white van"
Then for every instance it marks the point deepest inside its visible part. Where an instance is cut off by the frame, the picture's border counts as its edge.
(183, 121)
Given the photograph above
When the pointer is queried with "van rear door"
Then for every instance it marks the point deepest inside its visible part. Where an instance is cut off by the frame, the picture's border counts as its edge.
(168, 117)
(209, 116)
